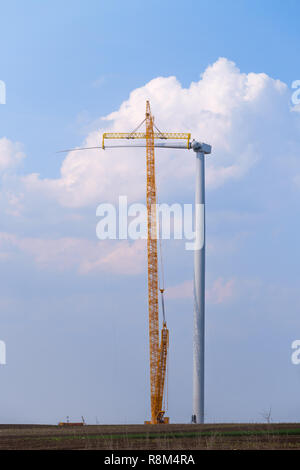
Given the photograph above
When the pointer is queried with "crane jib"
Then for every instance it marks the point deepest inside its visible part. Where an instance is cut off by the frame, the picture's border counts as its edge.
(184, 136)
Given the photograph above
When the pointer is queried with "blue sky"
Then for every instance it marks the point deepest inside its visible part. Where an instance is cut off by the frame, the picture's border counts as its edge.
(76, 335)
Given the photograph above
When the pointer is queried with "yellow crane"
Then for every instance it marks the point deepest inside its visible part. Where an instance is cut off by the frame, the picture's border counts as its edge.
(158, 352)
(158, 349)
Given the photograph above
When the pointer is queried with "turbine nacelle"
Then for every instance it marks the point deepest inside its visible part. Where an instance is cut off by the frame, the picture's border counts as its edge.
(200, 147)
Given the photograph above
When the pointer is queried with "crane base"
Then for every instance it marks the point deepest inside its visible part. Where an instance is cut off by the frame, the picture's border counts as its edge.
(166, 420)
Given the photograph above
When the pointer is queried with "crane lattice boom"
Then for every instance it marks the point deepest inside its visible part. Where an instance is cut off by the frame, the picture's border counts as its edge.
(158, 353)
(158, 346)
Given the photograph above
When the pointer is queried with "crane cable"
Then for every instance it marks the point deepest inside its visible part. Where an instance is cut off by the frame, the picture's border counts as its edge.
(161, 283)
(161, 276)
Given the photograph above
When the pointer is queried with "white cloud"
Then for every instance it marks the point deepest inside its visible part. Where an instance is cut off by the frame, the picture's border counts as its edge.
(11, 154)
(77, 254)
(238, 113)
(220, 291)
(125, 258)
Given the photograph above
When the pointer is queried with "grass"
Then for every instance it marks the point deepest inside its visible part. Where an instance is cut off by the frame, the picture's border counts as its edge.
(173, 437)
(188, 435)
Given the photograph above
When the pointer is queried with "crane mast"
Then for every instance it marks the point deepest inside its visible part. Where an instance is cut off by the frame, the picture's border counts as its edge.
(152, 259)
(158, 352)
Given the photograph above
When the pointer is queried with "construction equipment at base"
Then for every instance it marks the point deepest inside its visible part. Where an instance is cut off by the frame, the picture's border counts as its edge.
(68, 423)
(62, 423)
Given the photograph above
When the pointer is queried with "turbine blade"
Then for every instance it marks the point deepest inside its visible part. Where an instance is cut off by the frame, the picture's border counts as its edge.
(81, 148)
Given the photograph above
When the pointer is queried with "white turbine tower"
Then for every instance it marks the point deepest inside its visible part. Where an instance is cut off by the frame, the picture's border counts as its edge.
(199, 283)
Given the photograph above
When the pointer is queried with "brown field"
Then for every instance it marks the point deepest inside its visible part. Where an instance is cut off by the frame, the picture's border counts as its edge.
(147, 437)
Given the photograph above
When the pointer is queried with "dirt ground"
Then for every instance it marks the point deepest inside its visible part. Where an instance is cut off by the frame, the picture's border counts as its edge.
(148, 437)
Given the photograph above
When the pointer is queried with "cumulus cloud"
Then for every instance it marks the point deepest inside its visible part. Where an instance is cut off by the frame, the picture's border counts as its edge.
(81, 255)
(11, 154)
(238, 113)
(246, 117)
